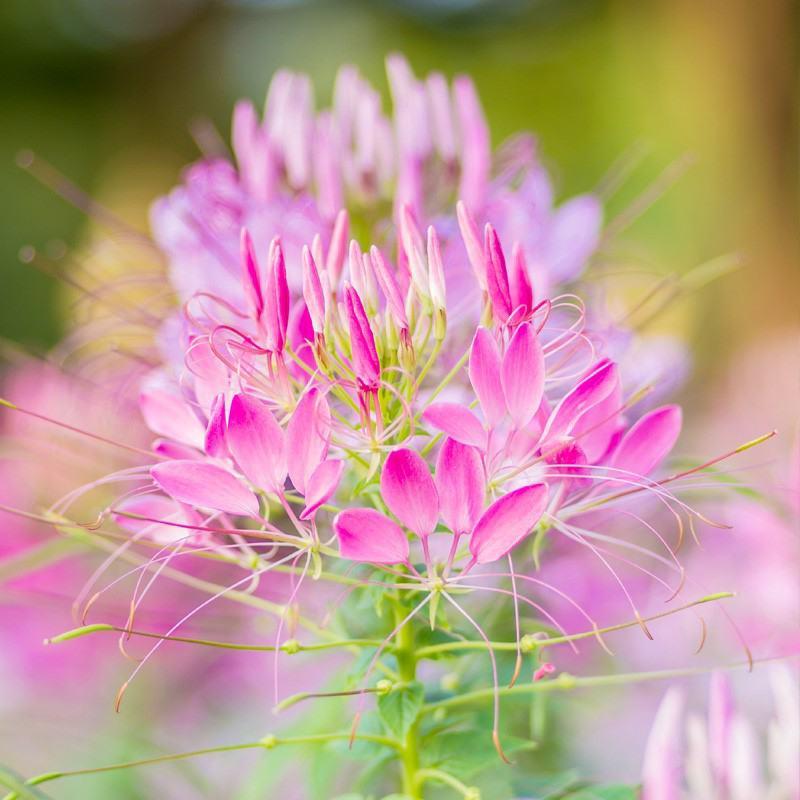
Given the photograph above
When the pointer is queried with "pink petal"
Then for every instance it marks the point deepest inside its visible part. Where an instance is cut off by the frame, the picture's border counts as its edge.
(169, 415)
(597, 427)
(408, 489)
(205, 486)
(461, 484)
(458, 422)
(521, 287)
(366, 364)
(472, 243)
(649, 440)
(476, 151)
(523, 375)
(484, 374)
(308, 435)
(338, 248)
(256, 443)
(322, 483)
(367, 535)
(313, 292)
(506, 522)
(588, 393)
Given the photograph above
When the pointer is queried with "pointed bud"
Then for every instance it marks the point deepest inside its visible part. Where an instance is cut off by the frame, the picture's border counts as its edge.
(472, 243)
(414, 248)
(276, 307)
(389, 287)
(251, 278)
(313, 292)
(356, 268)
(338, 248)
(521, 288)
(497, 275)
(437, 285)
(366, 364)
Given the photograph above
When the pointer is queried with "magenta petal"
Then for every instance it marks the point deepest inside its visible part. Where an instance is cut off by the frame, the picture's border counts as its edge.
(408, 489)
(205, 486)
(484, 374)
(506, 522)
(461, 483)
(321, 485)
(367, 535)
(256, 442)
(457, 422)
(593, 389)
(497, 276)
(308, 435)
(251, 279)
(649, 440)
(171, 416)
(523, 375)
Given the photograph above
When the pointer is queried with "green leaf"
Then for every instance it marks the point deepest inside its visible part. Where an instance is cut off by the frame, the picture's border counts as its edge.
(466, 753)
(612, 792)
(400, 708)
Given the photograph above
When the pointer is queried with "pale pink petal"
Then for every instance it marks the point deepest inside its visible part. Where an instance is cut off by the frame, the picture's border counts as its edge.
(573, 237)
(458, 422)
(308, 435)
(523, 375)
(408, 489)
(251, 279)
(156, 507)
(649, 440)
(461, 483)
(484, 374)
(205, 486)
(367, 535)
(506, 522)
(171, 416)
(322, 483)
(256, 442)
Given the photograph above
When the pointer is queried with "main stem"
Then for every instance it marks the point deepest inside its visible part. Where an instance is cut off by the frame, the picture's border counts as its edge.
(407, 669)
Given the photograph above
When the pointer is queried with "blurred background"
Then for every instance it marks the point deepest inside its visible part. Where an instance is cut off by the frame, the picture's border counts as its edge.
(109, 92)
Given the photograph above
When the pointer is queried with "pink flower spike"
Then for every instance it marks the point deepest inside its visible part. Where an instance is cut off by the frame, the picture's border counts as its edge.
(308, 435)
(661, 773)
(367, 535)
(313, 292)
(338, 248)
(521, 288)
(256, 442)
(389, 287)
(592, 390)
(484, 374)
(461, 484)
(203, 485)
(321, 485)
(169, 415)
(409, 491)
(215, 444)
(276, 305)
(458, 422)
(362, 342)
(251, 276)
(507, 522)
(649, 440)
(522, 374)
(472, 243)
(435, 270)
(497, 275)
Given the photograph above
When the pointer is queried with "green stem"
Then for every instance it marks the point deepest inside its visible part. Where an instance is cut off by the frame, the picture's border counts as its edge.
(566, 682)
(468, 792)
(267, 743)
(407, 670)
